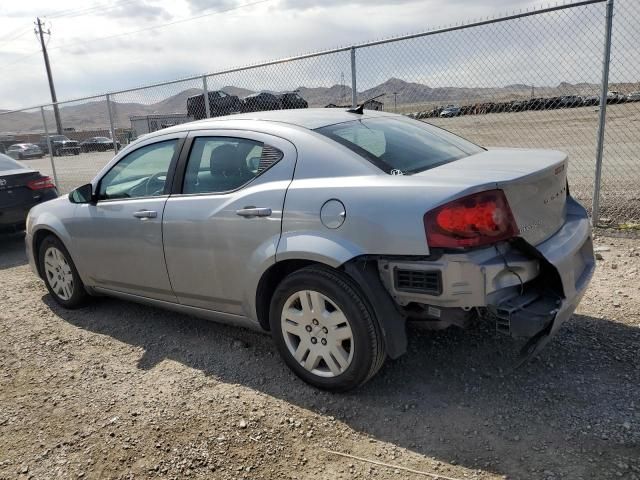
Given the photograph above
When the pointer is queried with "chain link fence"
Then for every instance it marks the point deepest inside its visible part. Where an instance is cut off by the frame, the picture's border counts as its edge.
(531, 80)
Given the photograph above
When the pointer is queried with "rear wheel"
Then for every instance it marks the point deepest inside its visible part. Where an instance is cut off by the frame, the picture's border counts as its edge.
(325, 330)
(60, 274)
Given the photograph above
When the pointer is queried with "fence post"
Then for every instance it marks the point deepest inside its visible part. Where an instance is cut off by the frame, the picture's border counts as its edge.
(46, 133)
(111, 129)
(354, 92)
(604, 88)
(205, 95)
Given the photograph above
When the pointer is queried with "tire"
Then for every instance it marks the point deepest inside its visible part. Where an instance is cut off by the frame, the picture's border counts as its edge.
(52, 257)
(336, 365)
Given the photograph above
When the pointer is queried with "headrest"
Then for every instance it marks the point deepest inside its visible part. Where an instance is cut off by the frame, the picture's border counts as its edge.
(227, 160)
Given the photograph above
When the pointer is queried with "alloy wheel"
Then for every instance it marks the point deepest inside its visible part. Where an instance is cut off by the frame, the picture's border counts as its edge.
(58, 271)
(317, 333)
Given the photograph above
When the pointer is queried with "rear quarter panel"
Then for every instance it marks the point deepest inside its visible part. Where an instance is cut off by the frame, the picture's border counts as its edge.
(384, 213)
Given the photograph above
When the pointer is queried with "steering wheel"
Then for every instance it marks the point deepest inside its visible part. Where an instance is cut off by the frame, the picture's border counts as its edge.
(155, 183)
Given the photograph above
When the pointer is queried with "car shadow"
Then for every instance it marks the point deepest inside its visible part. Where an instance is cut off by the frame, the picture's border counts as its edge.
(455, 396)
(12, 252)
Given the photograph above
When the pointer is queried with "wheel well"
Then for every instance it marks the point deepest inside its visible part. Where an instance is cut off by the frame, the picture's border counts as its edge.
(270, 281)
(38, 238)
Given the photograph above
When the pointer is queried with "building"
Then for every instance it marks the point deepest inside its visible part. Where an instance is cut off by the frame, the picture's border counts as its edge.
(142, 124)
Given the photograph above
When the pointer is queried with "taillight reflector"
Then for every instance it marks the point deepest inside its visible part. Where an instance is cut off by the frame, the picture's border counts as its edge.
(41, 183)
(475, 220)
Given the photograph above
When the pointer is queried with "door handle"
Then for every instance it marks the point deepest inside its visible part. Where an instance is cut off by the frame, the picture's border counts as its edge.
(145, 214)
(250, 212)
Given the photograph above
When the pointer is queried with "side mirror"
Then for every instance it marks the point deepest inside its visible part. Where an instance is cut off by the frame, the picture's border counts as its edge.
(83, 194)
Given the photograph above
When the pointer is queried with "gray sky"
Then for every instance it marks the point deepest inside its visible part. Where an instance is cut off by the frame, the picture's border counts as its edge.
(93, 51)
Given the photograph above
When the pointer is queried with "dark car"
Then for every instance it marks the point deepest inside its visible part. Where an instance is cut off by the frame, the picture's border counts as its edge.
(570, 101)
(98, 144)
(20, 189)
(291, 100)
(220, 103)
(21, 151)
(258, 102)
(60, 145)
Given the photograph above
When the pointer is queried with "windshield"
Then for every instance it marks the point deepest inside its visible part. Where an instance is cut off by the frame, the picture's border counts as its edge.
(400, 146)
(8, 163)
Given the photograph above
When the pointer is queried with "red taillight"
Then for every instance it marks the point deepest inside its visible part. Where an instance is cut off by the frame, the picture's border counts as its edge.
(479, 219)
(41, 183)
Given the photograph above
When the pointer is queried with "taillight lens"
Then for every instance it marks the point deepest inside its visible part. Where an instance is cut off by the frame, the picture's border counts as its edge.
(41, 183)
(479, 219)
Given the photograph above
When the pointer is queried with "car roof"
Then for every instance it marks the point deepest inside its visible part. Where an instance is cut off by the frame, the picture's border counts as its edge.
(310, 118)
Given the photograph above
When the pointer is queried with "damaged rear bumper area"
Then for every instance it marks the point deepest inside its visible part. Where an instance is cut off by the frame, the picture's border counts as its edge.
(527, 291)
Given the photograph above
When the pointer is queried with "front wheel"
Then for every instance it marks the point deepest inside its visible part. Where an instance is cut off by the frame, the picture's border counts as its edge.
(60, 274)
(325, 329)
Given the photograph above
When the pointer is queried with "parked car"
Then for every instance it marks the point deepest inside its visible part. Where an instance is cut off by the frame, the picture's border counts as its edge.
(290, 100)
(570, 101)
(20, 189)
(21, 151)
(633, 97)
(536, 104)
(258, 102)
(450, 111)
(616, 97)
(220, 103)
(519, 105)
(328, 227)
(591, 100)
(98, 144)
(60, 145)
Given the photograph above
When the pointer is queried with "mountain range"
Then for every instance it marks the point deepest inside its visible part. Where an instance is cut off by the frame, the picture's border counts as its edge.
(408, 96)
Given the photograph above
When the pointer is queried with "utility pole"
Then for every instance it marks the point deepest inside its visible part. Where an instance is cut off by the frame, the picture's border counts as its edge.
(41, 34)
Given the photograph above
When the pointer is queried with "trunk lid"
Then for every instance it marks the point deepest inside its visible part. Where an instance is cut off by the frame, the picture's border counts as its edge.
(534, 182)
(13, 187)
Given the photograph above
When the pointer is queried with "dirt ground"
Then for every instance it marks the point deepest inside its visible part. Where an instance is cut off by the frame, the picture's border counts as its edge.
(118, 390)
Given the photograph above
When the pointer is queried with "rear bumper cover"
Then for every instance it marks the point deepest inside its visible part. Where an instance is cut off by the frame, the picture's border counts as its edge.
(496, 278)
(570, 251)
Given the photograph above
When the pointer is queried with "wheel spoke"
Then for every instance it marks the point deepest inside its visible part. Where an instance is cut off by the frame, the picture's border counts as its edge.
(293, 314)
(292, 328)
(343, 333)
(334, 318)
(317, 303)
(301, 351)
(313, 359)
(331, 363)
(341, 357)
(305, 302)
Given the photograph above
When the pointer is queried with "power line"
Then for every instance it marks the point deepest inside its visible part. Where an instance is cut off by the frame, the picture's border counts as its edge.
(20, 59)
(14, 38)
(163, 25)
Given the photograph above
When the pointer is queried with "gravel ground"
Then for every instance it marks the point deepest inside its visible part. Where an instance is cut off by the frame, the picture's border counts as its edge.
(118, 390)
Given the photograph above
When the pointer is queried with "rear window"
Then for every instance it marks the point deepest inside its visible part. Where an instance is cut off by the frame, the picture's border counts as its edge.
(8, 163)
(400, 146)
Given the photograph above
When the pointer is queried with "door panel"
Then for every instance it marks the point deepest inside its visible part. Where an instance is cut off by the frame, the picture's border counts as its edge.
(119, 238)
(213, 248)
(123, 252)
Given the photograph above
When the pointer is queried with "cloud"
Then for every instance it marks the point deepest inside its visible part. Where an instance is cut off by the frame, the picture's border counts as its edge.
(314, 4)
(200, 6)
(138, 11)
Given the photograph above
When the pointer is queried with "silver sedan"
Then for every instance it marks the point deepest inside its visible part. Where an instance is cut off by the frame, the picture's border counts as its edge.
(328, 228)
